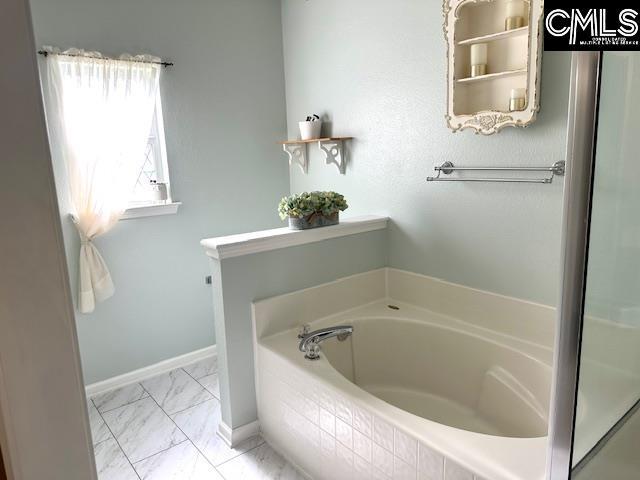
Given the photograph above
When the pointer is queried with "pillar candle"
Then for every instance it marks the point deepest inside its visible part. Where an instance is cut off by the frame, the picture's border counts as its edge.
(518, 93)
(515, 8)
(479, 54)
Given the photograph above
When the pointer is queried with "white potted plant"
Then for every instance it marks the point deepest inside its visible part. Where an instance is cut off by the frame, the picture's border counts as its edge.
(311, 210)
(311, 128)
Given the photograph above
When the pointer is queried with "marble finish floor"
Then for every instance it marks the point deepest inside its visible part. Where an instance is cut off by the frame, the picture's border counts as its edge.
(164, 428)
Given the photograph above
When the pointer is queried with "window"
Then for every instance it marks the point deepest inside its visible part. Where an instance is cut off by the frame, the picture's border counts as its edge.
(152, 184)
(152, 193)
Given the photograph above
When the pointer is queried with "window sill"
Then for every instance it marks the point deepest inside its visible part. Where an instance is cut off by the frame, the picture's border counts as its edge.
(151, 210)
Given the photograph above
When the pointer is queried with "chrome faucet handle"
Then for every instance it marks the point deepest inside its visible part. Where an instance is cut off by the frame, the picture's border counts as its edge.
(310, 343)
(304, 330)
(312, 351)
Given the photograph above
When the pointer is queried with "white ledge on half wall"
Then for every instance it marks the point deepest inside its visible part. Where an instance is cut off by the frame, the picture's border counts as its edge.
(265, 240)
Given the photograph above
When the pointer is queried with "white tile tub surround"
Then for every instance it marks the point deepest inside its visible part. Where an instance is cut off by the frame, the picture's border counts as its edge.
(383, 452)
(356, 435)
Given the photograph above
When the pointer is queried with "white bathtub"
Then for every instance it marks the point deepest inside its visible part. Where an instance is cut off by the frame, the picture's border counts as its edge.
(413, 393)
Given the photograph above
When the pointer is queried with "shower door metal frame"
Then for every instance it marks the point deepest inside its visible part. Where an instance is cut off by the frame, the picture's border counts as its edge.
(578, 191)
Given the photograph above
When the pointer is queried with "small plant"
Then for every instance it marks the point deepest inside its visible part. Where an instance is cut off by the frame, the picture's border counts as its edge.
(311, 204)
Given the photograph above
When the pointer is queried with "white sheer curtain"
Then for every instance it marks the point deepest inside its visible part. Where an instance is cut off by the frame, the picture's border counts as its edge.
(104, 109)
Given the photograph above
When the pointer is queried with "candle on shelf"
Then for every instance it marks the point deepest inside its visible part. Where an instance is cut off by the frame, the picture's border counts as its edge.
(518, 99)
(478, 59)
(515, 14)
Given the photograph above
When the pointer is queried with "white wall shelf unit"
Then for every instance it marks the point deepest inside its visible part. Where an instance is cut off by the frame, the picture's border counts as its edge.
(492, 76)
(334, 149)
(496, 36)
(503, 39)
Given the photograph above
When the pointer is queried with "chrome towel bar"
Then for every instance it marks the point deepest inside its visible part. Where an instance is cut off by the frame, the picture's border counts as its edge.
(448, 168)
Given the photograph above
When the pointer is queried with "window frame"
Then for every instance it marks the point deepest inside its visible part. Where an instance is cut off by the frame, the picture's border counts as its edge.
(141, 209)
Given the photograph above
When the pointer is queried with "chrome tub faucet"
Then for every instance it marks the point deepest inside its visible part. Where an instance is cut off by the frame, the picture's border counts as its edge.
(310, 343)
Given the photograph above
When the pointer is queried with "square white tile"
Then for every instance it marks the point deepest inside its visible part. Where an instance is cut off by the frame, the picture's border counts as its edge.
(362, 470)
(378, 475)
(99, 430)
(383, 460)
(143, 429)
(111, 463)
(430, 464)
(344, 462)
(182, 462)
(383, 434)
(202, 368)
(344, 410)
(344, 433)
(119, 397)
(402, 470)
(310, 410)
(261, 463)
(405, 448)
(362, 421)
(200, 424)
(212, 384)
(327, 421)
(176, 390)
(362, 445)
(453, 471)
(327, 445)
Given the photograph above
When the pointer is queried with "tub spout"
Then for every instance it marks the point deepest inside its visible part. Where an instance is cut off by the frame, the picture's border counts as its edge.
(310, 343)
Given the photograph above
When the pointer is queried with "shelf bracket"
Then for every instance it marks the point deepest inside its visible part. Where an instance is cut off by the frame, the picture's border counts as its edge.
(335, 152)
(297, 153)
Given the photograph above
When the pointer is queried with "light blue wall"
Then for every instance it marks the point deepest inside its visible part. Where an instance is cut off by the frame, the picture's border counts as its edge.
(224, 111)
(245, 279)
(377, 68)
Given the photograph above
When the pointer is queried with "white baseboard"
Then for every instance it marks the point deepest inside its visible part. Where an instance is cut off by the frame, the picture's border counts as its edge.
(150, 371)
(234, 436)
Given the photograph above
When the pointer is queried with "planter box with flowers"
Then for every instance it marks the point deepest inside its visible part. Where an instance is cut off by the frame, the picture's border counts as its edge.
(312, 210)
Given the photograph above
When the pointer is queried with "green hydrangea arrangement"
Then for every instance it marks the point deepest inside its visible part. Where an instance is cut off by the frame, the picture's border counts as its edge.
(307, 203)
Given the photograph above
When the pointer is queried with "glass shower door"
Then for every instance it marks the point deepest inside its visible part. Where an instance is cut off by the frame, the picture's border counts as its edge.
(607, 428)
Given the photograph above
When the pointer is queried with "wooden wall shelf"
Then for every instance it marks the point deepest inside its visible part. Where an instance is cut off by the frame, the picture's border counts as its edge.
(315, 140)
(334, 149)
(513, 58)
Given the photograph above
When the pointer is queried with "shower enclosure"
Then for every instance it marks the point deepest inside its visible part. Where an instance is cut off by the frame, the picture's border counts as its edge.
(597, 374)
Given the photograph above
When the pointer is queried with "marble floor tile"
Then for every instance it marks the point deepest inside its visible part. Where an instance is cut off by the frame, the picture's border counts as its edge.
(182, 462)
(203, 367)
(211, 383)
(111, 462)
(200, 424)
(261, 463)
(143, 429)
(176, 390)
(119, 397)
(99, 430)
